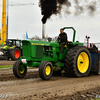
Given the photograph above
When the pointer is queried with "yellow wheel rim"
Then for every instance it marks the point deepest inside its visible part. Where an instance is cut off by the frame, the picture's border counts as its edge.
(83, 62)
(48, 70)
(22, 70)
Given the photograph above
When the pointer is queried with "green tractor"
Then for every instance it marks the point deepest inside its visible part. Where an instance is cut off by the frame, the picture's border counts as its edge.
(76, 60)
(12, 49)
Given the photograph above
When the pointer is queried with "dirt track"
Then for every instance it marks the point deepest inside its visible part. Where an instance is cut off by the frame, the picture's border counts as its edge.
(5, 62)
(58, 87)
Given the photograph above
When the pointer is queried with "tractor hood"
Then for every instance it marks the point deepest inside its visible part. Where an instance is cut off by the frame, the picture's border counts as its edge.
(35, 49)
(42, 43)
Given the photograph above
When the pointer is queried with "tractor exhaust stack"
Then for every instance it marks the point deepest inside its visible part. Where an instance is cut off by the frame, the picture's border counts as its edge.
(43, 31)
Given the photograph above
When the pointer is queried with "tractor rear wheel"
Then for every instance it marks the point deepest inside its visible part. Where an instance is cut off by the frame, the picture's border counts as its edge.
(15, 54)
(45, 70)
(78, 62)
(19, 70)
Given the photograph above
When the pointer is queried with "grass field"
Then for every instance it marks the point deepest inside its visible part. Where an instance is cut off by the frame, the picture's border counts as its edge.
(5, 66)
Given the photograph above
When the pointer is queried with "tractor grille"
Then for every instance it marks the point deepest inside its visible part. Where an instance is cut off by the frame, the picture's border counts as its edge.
(26, 48)
(39, 51)
(32, 50)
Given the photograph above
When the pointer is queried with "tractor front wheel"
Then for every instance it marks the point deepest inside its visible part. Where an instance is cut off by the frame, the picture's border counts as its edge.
(19, 70)
(45, 70)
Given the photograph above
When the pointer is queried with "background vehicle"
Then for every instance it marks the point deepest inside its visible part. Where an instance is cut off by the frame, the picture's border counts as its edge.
(12, 49)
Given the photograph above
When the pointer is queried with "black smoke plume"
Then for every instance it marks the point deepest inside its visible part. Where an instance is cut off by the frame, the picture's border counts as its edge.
(50, 7)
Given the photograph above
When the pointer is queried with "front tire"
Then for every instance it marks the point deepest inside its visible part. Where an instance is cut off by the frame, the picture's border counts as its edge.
(78, 62)
(45, 70)
(19, 70)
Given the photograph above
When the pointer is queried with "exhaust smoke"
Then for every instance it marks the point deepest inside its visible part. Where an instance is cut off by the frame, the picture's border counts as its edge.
(50, 7)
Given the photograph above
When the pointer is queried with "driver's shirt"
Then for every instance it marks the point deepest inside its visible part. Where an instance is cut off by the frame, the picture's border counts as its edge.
(63, 37)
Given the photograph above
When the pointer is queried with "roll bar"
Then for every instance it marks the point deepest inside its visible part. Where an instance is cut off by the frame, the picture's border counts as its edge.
(73, 33)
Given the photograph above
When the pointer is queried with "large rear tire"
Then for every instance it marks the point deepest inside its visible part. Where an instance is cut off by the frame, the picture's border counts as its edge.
(45, 70)
(19, 70)
(15, 54)
(78, 62)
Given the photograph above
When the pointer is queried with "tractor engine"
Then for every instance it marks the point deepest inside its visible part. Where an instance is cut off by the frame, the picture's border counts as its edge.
(38, 51)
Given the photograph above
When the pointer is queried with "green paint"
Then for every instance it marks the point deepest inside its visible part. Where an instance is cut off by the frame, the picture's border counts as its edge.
(35, 51)
(5, 47)
(58, 65)
(12, 47)
(74, 34)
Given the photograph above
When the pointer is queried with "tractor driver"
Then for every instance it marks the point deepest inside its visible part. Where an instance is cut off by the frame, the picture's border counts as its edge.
(63, 39)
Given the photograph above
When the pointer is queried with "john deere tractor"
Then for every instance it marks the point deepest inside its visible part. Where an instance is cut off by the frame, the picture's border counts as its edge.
(75, 61)
(12, 49)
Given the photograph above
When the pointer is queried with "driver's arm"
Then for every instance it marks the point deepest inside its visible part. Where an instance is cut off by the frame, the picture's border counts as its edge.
(59, 36)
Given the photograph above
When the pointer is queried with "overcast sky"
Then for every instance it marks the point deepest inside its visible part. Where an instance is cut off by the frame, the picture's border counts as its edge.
(28, 18)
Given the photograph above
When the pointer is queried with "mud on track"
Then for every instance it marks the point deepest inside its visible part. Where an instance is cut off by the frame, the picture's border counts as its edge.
(6, 75)
(57, 88)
